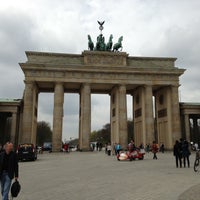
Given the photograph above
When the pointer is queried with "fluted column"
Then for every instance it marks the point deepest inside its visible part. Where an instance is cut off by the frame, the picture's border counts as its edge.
(122, 116)
(175, 113)
(187, 127)
(58, 117)
(85, 117)
(149, 120)
(28, 113)
(195, 129)
(13, 128)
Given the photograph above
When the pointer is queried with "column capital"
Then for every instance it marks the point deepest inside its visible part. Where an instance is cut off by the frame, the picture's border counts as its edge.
(148, 85)
(85, 84)
(58, 83)
(122, 87)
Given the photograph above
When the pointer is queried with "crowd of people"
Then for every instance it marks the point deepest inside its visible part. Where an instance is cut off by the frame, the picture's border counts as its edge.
(9, 161)
(116, 148)
(181, 150)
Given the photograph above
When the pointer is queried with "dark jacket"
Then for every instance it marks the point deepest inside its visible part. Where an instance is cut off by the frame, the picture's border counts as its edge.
(13, 168)
(185, 148)
(177, 150)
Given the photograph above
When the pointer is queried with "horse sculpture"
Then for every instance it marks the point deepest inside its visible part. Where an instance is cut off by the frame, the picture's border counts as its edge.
(118, 44)
(109, 44)
(100, 45)
(90, 44)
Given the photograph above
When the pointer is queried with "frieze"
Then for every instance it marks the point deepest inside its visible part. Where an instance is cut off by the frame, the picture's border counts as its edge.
(127, 78)
(104, 60)
(51, 74)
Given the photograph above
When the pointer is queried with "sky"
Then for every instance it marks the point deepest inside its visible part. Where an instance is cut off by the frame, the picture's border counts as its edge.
(150, 28)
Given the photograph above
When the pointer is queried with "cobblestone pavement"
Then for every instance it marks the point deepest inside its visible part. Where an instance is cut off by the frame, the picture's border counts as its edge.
(96, 176)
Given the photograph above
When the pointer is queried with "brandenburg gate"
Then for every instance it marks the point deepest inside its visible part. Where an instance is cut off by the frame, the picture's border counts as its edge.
(153, 82)
(113, 73)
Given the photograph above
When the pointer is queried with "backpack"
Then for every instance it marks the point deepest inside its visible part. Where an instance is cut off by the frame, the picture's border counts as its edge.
(15, 188)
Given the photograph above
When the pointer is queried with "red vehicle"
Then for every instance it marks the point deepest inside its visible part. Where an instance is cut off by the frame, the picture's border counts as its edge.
(126, 155)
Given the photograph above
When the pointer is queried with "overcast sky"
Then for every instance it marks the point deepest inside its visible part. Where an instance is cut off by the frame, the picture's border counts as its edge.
(149, 27)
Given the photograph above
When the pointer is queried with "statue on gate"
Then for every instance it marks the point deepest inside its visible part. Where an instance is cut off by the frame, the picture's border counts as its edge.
(101, 45)
(118, 44)
(109, 44)
(90, 44)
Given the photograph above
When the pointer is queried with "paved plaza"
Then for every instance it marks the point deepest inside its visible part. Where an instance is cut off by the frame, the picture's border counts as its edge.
(96, 176)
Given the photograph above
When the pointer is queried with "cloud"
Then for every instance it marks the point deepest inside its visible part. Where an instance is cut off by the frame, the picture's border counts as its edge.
(149, 28)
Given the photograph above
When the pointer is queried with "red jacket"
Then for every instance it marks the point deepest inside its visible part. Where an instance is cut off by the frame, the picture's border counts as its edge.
(154, 148)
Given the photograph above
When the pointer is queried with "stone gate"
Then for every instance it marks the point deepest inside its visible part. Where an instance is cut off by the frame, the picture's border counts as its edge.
(113, 73)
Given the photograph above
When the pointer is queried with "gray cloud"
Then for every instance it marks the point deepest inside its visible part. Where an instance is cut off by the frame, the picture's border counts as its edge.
(150, 28)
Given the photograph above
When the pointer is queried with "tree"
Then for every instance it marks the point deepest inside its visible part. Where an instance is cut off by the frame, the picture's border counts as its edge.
(104, 135)
(44, 133)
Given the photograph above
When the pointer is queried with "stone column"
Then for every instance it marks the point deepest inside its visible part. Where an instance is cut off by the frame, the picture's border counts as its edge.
(195, 129)
(58, 117)
(187, 127)
(85, 117)
(122, 117)
(13, 128)
(149, 120)
(114, 126)
(28, 113)
(175, 113)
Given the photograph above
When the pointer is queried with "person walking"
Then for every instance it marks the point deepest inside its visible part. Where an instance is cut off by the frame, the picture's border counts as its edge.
(118, 148)
(131, 146)
(186, 153)
(8, 169)
(162, 148)
(155, 150)
(109, 149)
(177, 153)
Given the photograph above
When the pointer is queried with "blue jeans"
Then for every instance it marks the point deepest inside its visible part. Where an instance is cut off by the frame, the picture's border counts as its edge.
(5, 185)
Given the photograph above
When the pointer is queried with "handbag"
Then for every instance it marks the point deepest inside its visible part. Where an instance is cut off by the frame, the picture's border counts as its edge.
(15, 188)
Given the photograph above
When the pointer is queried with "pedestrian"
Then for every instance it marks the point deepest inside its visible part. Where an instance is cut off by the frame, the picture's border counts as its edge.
(106, 148)
(109, 149)
(177, 153)
(162, 148)
(100, 146)
(8, 169)
(186, 153)
(118, 148)
(147, 148)
(154, 150)
(142, 148)
(97, 146)
(131, 146)
(93, 146)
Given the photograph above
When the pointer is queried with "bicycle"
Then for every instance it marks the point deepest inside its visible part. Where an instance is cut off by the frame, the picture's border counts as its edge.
(197, 161)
